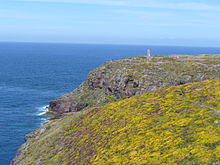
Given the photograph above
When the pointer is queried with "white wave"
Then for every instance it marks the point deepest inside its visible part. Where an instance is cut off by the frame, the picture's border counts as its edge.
(42, 110)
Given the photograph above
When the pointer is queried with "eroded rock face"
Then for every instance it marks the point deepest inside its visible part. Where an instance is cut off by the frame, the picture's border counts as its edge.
(65, 104)
(128, 77)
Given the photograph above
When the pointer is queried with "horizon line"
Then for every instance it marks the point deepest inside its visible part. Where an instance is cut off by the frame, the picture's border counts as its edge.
(116, 44)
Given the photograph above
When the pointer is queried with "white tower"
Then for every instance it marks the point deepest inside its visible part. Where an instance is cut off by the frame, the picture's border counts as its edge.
(148, 52)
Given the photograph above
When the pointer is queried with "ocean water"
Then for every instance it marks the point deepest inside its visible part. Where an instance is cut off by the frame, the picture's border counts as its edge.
(32, 74)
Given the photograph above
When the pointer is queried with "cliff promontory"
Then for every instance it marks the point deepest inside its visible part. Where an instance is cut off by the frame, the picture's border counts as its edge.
(120, 79)
(159, 110)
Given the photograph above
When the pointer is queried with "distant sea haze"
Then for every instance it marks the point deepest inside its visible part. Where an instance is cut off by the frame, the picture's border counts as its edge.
(32, 74)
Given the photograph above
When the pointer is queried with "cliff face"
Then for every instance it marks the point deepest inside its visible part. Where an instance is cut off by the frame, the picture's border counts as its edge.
(121, 79)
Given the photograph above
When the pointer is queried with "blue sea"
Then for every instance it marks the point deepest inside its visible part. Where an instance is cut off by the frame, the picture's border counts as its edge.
(32, 74)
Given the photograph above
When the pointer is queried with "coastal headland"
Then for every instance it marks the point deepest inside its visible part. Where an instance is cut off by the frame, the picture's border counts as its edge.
(141, 110)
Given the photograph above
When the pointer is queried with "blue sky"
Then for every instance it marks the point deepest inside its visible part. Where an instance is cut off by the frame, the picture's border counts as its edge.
(151, 22)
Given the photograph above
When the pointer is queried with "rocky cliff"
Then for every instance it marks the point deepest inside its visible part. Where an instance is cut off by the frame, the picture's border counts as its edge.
(173, 119)
(124, 78)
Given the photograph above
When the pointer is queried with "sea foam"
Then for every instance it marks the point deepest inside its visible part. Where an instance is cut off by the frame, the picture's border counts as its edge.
(42, 110)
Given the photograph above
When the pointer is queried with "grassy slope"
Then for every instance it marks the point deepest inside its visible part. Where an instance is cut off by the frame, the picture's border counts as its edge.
(177, 125)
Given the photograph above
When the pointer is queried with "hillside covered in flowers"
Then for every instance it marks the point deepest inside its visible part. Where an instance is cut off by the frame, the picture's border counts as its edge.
(175, 125)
